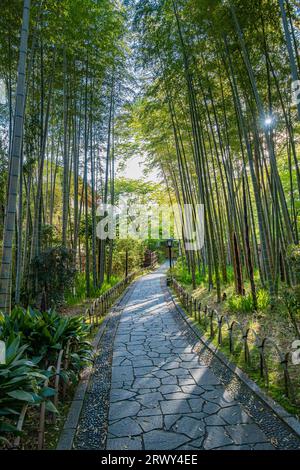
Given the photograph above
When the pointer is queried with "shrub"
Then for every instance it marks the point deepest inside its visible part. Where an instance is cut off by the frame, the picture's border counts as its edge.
(21, 383)
(135, 255)
(45, 333)
(230, 274)
(33, 340)
(244, 303)
(52, 273)
(263, 299)
(240, 303)
(182, 274)
(291, 301)
(293, 256)
(78, 292)
(291, 296)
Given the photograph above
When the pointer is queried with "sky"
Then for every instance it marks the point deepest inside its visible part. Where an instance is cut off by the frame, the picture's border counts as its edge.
(134, 169)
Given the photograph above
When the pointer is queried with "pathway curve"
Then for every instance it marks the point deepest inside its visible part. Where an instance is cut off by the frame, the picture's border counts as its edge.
(161, 396)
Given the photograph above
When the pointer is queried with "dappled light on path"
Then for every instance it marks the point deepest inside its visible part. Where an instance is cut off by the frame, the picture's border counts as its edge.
(162, 397)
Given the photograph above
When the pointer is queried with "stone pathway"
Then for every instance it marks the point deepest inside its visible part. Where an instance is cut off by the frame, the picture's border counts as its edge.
(161, 396)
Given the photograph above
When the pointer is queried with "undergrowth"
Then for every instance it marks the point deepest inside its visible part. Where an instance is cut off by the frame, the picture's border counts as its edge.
(78, 293)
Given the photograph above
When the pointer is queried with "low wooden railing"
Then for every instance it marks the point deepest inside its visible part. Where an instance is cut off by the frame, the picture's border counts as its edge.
(253, 346)
(101, 305)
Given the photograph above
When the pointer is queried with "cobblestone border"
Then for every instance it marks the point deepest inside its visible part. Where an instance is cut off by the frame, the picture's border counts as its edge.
(280, 427)
(72, 436)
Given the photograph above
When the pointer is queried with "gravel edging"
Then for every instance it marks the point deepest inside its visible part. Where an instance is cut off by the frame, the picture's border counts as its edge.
(238, 382)
(68, 434)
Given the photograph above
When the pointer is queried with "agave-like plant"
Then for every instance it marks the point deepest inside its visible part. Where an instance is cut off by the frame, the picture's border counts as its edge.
(21, 383)
(45, 333)
(33, 340)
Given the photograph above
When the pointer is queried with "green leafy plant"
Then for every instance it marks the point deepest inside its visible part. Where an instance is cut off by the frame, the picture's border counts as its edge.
(52, 273)
(291, 296)
(244, 303)
(45, 333)
(293, 256)
(263, 299)
(291, 301)
(21, 383)
(77, 293)
(240, 303)
(33, 340)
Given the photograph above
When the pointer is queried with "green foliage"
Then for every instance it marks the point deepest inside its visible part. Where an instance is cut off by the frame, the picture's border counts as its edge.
(33, 340)
(293, 256)
(184, 275)
(244, 303)
(230, 274)
(158, 247)
(52, 273)
(21, 383)
(145, 191)
(49, 235)
(135, 253)
(240, 303)
(263, 299)
(77, 293)
(291, 296)
(45, 333)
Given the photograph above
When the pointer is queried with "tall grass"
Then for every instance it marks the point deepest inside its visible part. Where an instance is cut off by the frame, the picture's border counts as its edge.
(182, 274)
(78, 293)
(244, 303)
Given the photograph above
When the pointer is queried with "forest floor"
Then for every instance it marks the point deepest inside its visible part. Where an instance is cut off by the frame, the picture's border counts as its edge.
(77, 309)
(266, 323)
(52, 428)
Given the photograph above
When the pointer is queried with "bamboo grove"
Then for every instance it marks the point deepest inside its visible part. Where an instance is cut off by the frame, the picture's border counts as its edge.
(213, 112)
(57, 135)
(217, 117)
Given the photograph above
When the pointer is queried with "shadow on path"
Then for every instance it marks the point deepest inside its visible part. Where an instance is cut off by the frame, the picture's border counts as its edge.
(161, 397)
